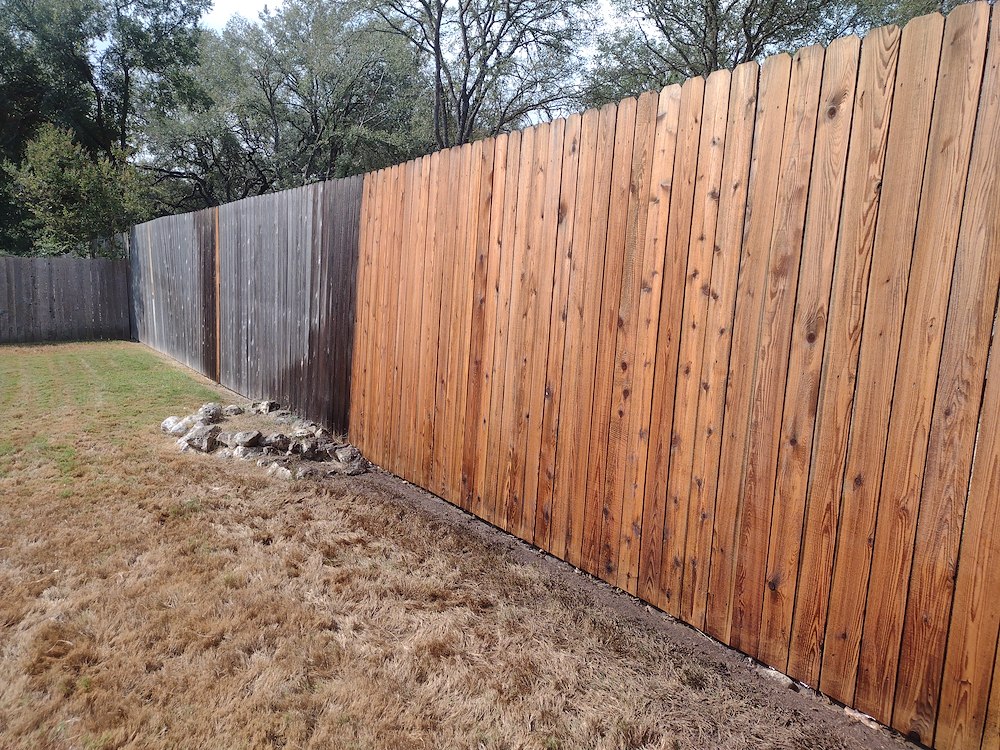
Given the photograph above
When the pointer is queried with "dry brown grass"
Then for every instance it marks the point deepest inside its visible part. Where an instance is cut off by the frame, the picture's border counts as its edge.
(150, 599)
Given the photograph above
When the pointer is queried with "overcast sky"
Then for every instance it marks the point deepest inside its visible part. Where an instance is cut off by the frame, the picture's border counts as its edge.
(223, 10)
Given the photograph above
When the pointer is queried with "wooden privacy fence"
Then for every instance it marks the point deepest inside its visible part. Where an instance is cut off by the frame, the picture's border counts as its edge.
(257, 294)
(727, 346)
(61, 299)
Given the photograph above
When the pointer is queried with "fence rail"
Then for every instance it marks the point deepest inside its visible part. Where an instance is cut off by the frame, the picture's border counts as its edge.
(58, 299)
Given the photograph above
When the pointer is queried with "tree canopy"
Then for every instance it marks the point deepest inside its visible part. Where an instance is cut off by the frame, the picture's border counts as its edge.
(106, 99)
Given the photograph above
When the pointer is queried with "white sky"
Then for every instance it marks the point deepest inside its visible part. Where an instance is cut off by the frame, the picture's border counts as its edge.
(223, 10)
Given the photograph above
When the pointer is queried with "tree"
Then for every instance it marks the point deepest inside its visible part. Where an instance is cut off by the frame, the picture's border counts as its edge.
(74, 200)
(665, 41)
(493, 63)
(98, 66)
(308, 93)
(94, 67)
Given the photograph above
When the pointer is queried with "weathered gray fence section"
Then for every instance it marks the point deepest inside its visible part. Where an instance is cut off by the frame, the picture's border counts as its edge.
(287, 269)
(173, 287)
(63, 299)
(258, 294)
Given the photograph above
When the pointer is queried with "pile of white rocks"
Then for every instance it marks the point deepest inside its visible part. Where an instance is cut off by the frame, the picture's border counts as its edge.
(302, 450)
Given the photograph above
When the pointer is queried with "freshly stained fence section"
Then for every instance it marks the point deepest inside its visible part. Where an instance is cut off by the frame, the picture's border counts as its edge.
(258, 294)
(63, 299)
(728, 347)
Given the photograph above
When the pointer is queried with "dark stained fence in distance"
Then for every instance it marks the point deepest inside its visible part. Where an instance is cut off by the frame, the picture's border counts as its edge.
(63, 299)
(258, 294)
(173, 288)
(288, 263)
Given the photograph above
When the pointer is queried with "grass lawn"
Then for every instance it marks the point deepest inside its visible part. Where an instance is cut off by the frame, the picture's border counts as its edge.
(153, 599)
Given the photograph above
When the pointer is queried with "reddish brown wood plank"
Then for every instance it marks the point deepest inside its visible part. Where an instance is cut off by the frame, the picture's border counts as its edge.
(866, 161)
(512, 429)
(479, 338)
(648, 288)
(550, 516)
(626, 406)
(945, 480)
(586, 275)
(495, 504)
(678, 202)
(543, 250)
(585, 525)
(808, 336)
(597, 553)
(945, 173)
(972, 638)
(700, 251)
(481, 491)
(773, 344)
(719, 324)
(763, 188)
(919, 53)
(430, 322)
(637, 556)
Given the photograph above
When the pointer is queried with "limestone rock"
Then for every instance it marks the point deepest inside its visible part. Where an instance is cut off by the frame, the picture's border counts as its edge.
(278, 441)
(202, 438)
(347, 454)
(246, 439)
(277, 470)
(178, 426)
(210, 413)
(247, 454)
(232, 410)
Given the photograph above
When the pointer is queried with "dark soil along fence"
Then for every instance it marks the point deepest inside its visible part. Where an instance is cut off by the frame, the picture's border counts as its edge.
(727, 347)
(61, 299)
(258, 294)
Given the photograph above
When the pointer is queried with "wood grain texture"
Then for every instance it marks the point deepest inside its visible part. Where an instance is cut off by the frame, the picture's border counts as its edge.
(78, 299)
(773, 344)
(664, 111)
(726, 346)
(583, 310)
(819, 247)
(658, 566)
(604, 442)
(975, 622)
(884, 311)
(551, 515)
(945, 173)
(862, 192)
(700, 252)
(763, 189)
(630, 412)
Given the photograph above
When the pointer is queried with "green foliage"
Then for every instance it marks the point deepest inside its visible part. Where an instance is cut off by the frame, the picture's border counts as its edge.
(494, 64)
(310, 92)
(95, 68)
(666, 41)
(74, 200)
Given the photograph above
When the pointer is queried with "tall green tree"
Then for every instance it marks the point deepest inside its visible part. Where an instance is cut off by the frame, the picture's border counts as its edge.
(494, 64)
(665, 41)
(75, 202)
(94, 67)
(309, 92)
